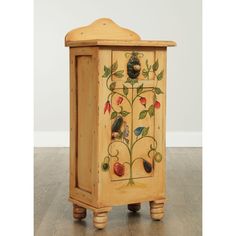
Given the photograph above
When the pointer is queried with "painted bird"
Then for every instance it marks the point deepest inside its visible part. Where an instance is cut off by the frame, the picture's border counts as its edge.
(117, 124)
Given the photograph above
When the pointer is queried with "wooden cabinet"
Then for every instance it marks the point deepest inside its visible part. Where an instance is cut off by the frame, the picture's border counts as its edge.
(117, 120)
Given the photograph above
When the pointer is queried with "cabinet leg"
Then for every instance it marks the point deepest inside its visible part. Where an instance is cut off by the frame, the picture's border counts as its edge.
(100, 219)
(134, 207)
(156, 210)
(79, 212)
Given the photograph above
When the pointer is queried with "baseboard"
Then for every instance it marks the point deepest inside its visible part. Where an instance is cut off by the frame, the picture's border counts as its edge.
(61, 139)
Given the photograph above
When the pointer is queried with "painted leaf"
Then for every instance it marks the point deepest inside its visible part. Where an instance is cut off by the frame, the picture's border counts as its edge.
(155, 66)
(107, 72)
(133, 81)
(138, 131)
(145, 131)
(158, 90)
(140, 89)
(157, 157)
(126, 140)
(144, 73)
(151, 110)
(160, 75)
(114, 66)
(112, 86)
(119, 74)
(124, 113)
(125, 90)
(142, 114)
(113, 114)
(120, 135)
(146, 62)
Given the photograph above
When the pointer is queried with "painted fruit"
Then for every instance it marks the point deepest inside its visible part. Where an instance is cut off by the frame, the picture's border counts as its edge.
(119, 169)
(105, 166)
(107, 107)
(157, 104)
(143, 101)
(117, 124)
(119, 100)
(147, 166)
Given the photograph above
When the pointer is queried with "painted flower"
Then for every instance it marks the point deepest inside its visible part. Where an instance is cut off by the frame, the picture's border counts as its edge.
(157, 104)
(107, 107)
(143, 101)
(119, 100)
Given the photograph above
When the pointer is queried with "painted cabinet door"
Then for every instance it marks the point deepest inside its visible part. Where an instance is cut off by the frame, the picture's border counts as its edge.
(132, 102)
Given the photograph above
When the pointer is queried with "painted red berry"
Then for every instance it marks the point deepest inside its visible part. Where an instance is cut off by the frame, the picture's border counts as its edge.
(119, 169)
(107, 107)
(119, 100)
(157, 104)
(143, 101)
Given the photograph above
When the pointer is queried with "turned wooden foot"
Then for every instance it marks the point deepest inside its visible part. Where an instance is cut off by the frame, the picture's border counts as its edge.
(134, 207)
(100, 219)
(79, 212)
(156, 210)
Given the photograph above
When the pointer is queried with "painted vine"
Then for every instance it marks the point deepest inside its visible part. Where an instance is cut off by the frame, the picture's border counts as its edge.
(120, 129)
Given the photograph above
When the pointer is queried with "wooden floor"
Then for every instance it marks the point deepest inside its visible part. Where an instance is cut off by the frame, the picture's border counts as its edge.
(183, 212)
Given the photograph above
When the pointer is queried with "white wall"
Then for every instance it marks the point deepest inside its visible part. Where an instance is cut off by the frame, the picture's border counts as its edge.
(178, 20)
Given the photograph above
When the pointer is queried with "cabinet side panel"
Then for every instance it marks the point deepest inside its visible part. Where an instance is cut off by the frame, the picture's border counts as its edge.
(86, 122)
(84, 119)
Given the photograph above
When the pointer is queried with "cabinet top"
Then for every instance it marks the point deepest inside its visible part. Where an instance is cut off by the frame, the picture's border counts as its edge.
(104, 32)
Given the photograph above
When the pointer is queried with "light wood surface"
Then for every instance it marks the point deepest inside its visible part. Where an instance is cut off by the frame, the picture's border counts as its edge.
(183, 211)
(105, 32)
(133, 43)
(79, 212)
(103, 28)
(83, 122)
(156, 210)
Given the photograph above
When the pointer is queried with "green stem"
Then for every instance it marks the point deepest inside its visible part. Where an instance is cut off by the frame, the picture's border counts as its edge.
(136, 160)
(123, 97)
(117, 152)
(132, 146)
(107, 81)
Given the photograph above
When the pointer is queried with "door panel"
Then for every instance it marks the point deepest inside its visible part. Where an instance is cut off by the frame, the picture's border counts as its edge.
(146, 110)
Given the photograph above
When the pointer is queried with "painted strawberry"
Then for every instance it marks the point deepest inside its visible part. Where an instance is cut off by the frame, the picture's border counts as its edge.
(157, 104)
(119, 169)
(143, 101)
(107, 107)
(119, 100)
